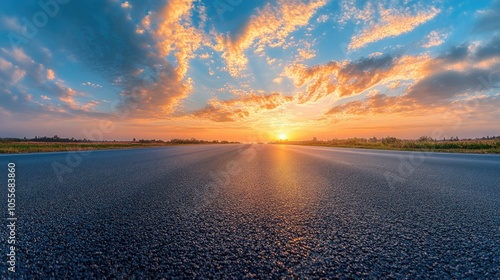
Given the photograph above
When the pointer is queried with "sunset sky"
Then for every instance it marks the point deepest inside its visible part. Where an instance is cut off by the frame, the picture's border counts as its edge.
(250, 70)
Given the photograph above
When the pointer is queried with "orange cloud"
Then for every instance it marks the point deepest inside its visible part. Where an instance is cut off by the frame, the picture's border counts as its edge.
(126, 5)
(376, 104)
(319, 80)
(434, 39)
(13, 72)
(352, 78)
(90, 106)
(472, 109)
(240, 108)
(345, 78)
(69, 98)
(463, 75)
(305, 53)
(176, 33)
(269, 27)
(392, 24)
(351, 12)
(156, 100)
(50, 74)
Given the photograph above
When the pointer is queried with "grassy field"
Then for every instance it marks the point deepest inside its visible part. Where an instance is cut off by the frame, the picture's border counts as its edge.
(462, 146)
(36, 147)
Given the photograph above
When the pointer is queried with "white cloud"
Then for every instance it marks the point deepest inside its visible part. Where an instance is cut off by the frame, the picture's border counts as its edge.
(91, 85)
(322, 18)
(50, 74)
(434, 39)
(392, 22)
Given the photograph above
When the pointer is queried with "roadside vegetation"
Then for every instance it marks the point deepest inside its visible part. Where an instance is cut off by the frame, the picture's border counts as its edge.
(485, 145)
(56, 144)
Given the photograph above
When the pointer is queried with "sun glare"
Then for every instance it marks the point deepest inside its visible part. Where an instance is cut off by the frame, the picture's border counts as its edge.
(282, 136)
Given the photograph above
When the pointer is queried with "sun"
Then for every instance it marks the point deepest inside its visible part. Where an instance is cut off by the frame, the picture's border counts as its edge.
(282, 136)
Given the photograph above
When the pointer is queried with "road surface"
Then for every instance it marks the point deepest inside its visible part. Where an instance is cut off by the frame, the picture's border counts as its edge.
(235, 211)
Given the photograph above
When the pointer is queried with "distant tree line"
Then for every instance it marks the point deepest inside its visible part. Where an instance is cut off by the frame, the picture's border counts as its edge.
(195, 141)
(490, 143)
(389, 141)
(185, 141)
(56, 138)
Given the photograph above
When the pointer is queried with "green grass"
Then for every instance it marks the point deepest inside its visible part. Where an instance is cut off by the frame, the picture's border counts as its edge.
(466, 146)
(36, 147)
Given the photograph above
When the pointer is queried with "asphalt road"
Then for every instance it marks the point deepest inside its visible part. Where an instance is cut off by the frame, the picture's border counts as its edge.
(257, 211)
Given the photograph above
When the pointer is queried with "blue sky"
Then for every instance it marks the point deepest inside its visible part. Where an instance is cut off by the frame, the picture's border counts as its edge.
(241, 70)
